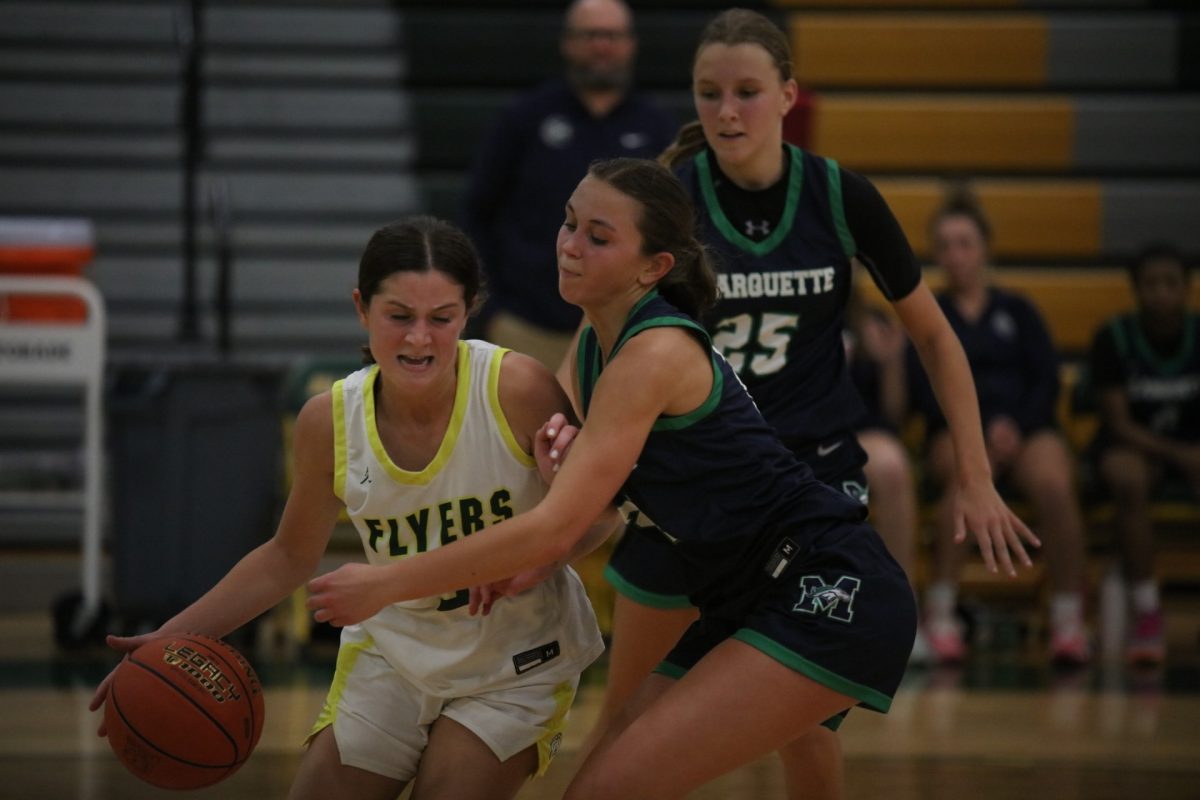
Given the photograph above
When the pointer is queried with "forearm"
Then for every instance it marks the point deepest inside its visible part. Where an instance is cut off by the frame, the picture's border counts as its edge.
(605, 526)
(501, 551)
(257, 583)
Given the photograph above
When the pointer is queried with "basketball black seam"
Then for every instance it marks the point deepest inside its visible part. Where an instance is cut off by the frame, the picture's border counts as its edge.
(216, 723)
(237, 674)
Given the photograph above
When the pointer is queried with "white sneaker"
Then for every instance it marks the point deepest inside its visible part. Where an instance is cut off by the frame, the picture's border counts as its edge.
(922, 653)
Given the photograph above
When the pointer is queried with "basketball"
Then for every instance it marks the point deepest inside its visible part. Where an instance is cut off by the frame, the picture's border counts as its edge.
(184, 711)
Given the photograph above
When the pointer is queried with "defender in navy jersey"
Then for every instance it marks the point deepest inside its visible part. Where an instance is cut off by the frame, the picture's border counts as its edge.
(786, 224)
(1145, 372)
(803, 613)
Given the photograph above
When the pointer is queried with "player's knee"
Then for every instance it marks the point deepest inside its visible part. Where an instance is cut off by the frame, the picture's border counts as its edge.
(590, 785)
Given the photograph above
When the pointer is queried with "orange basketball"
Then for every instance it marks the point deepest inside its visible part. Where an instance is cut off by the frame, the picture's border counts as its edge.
(184, 711)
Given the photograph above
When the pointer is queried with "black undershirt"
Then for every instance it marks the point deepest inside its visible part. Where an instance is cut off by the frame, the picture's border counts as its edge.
(882, 246)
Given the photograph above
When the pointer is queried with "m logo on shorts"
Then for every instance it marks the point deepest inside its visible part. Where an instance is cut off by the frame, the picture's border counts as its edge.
(835, 601)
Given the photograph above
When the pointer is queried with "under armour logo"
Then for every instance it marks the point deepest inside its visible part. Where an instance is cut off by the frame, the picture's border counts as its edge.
(761, 228)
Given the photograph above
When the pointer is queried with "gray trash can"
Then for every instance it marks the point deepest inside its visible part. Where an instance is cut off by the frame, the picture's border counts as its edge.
(195, 478)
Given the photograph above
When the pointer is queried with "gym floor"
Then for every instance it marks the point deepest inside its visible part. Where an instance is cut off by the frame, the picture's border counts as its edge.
(1004, 726)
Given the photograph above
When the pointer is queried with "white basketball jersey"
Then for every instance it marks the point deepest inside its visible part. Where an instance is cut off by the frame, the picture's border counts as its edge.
(480, 476)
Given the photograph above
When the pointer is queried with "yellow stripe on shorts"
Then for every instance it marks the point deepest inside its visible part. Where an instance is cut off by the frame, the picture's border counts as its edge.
(564, 696)
(347, 657)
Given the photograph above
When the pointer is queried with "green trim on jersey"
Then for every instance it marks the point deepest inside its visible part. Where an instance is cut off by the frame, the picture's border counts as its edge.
(643, 597)
(462, 393)
(337, 394)
(1166, 366)
(502, 425)
(837, 207)
(666, 423)
(709, 192)
(1117, 326)
(871, 697)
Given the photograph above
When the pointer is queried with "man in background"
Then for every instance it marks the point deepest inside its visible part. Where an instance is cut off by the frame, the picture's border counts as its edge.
(535, 154)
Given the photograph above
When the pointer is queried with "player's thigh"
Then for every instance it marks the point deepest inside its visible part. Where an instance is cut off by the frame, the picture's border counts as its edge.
(735, 705)
(322, 776)
(458, 765)
(642, 637)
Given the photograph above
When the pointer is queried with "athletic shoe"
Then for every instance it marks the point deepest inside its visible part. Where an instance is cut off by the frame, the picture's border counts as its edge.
(1147, 645)
(946, 641)
(1070, 647)
(922, 653)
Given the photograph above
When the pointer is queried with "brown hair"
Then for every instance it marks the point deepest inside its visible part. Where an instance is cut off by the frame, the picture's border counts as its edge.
(420, 244)
(667, 223)
(960, 201)
(733, 27)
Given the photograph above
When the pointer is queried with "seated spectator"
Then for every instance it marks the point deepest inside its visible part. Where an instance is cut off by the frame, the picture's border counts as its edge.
(1145, 371)
(1015, 367)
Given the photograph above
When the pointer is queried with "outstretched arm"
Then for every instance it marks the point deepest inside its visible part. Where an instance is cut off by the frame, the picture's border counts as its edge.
(270, 572)
(980, 509)
(639, 385)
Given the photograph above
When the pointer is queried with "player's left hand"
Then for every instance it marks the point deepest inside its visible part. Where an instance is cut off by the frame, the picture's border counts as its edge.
(1001, 533)
(484, 597)
(551, 444)
(348, 595)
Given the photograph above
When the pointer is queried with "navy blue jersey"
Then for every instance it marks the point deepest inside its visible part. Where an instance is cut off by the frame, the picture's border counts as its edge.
(718, 475)
(524, 172)
(1013, 361)
(1162, 384)
(784, 289)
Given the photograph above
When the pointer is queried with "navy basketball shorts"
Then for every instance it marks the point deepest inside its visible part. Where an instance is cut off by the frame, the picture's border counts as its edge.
(645, 567)
(842, 614)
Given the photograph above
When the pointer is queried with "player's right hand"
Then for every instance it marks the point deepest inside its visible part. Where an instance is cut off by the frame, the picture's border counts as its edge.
(123, 644)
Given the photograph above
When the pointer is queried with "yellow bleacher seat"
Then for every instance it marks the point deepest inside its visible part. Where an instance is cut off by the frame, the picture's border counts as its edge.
(907, 49)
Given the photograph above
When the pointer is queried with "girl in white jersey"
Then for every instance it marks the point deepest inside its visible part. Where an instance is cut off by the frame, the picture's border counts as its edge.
(433, 441)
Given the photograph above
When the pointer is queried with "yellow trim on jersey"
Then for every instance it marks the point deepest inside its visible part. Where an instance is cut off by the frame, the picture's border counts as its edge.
(347, 656)
(548, 745)
(498, 412)
(462, 393)
(337, 392)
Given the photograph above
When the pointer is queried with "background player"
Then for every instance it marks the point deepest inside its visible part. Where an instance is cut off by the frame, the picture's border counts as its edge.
(429, 444)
